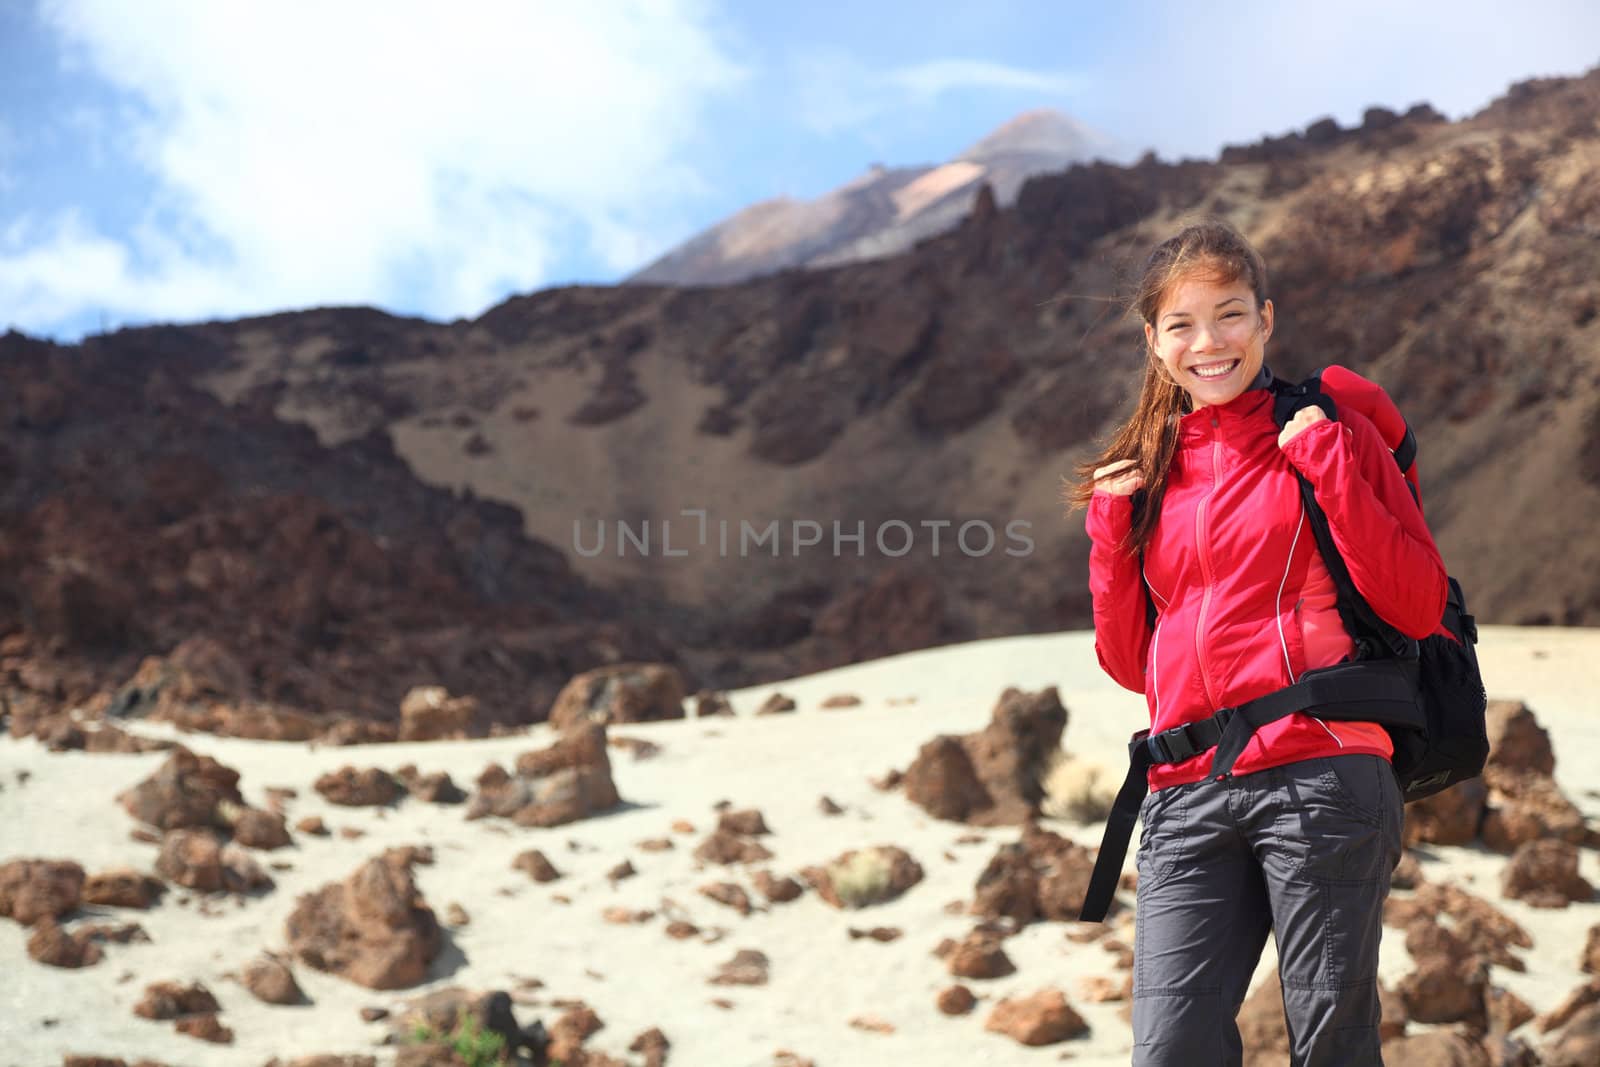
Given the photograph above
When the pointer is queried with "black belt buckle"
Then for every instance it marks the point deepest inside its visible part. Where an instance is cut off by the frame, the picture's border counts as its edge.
(1157, 746)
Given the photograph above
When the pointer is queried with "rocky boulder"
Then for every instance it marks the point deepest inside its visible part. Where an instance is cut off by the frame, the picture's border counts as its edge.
(373, 928)
(1528, 806)
(1043, 1018)
(430, 713)
(1545, 874)
(200, 860)
(123, 888)
(569, 780)
(31, 890)
(620, 692)
(1450, 817)
(1516, 740)
(184, 791)
(862, 877)
(355, 788)
(992, 777)
(1041, 876)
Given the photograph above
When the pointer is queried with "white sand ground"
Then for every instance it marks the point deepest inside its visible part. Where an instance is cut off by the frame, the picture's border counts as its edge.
(634, 975)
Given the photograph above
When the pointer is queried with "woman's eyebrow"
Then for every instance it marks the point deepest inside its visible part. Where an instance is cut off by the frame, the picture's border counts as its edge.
(1185, 314)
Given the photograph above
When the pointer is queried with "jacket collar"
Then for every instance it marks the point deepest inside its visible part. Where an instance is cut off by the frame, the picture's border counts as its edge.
(1257, 394)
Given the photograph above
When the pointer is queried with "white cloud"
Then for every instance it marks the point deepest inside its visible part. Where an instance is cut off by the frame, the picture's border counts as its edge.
(413, 155)
(837, 92)
(928, 81)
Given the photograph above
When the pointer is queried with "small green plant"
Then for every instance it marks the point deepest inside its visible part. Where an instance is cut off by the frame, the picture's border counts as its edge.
(862, 878)
(476, 1046)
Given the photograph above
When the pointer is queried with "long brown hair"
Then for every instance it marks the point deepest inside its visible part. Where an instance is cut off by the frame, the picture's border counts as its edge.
(1212, 250)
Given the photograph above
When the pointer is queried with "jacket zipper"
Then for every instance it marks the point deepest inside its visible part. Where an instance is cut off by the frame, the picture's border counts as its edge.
(1205, 563)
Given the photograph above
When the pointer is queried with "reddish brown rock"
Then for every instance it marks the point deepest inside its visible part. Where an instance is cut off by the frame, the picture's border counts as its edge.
(1407, 873)
(269, 979)
(31, 890)
(1041, 876)
(567, 781)
(1528, 806)
(255, 828)
(1100, 989)
(992, 777)
(884, 934)
(1578, 1043)
(364, 787)
(1545, 874)
(842, 700)
(537, 866)
(653, 1044)
(618, 693)
(1043, 1018)
(1516, 740)
(50, 944)
(373, 928)
(185, 791)
(724, 847)
(206, 1027)
(872, 1024)
(574, 1026)
(863, 877)
(430, 713)
(1451, 817)
(637, 747)
(1487, 931)
(359, 732)
(956, 1000)
(198, 859)
(1442, 990)
(776, 704)
(435, 788)
(979, 955)
(169, 1000)
(1571, 1004)
(1506, 1010)
(747, 822)
(123, 888)
(775, 889)
(708, 702)
(1262, 1029)
(313, 825)
(729, 894)
(748, 967)
(1590, 963)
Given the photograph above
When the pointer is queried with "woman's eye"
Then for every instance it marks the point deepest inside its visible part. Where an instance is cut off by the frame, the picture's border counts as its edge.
(1233, 314)
(1175, 327)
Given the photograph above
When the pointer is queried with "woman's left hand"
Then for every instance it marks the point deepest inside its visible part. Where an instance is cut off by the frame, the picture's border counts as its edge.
(1303, 419)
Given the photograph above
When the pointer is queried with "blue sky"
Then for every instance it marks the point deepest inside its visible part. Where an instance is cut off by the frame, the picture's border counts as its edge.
(174, 160)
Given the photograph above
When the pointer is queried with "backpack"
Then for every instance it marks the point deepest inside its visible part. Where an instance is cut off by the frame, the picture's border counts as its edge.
(1451, 744)
(1427, 694)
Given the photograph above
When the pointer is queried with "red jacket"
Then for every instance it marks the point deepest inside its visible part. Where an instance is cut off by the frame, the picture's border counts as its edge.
(1245, 603)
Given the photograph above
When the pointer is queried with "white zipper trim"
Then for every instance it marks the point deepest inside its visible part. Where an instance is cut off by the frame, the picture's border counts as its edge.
(1324, 725)
(1155, 642)
(1155, 663)
(1283, 641)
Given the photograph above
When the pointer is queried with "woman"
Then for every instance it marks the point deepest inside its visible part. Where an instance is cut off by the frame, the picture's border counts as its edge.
(1303, 835)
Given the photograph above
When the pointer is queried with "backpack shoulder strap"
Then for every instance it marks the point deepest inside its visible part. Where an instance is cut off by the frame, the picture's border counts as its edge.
(1374, 638)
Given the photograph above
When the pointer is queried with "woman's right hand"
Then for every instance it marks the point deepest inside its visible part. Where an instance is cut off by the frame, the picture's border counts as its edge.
(1107, 480)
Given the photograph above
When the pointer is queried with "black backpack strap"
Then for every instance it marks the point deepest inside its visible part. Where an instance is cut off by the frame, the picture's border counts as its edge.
(1383, 690)
(1119, 831)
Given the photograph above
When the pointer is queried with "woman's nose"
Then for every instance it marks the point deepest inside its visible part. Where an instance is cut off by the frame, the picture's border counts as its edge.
(1205, 340)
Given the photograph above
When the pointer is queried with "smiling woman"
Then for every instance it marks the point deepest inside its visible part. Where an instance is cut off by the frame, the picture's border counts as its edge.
(1209, 593)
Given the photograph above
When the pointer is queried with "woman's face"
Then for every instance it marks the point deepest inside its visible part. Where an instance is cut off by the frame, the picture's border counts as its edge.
(1211, 337)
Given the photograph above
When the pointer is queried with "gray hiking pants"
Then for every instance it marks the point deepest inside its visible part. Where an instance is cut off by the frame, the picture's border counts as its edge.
(1305, 850)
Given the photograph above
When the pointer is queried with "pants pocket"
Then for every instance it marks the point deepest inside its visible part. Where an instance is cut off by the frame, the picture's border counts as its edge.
(1161, 841)
(1355, 781)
